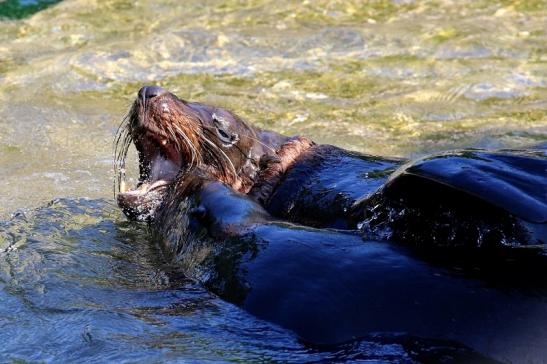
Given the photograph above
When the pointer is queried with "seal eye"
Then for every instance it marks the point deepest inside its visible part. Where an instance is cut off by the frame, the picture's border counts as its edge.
(227, 139)
(223, 134)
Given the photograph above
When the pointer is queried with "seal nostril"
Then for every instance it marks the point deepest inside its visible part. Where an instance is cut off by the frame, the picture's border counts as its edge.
(153, 91)
(149, 92)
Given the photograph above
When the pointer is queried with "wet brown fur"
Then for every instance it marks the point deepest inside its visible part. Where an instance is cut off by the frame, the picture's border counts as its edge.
(193, 138)
(273, 167)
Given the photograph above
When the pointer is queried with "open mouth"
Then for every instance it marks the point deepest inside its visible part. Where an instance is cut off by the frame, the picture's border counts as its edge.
(160, 157)
(159, 165)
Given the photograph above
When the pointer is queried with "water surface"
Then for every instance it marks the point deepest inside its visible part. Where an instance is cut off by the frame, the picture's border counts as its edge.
(389, 78)
(78, 283)
(399, 78)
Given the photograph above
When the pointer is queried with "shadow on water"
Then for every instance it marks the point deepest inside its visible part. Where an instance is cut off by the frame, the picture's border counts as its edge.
(78, 281)
(19, 9)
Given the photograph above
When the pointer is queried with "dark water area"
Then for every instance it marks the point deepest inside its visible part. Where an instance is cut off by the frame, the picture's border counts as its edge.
(78, 283)
(18, 9)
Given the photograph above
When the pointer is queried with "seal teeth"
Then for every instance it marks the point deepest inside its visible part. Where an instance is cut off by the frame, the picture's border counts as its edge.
(123, 186)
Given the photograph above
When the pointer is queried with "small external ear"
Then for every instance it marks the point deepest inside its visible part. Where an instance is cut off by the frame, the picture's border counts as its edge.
(228, 139)
(198, 212)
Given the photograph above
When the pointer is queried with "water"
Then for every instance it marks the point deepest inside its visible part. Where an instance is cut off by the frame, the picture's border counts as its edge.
(389, 78)
(17, 9)
(399, 78)
(78, 282)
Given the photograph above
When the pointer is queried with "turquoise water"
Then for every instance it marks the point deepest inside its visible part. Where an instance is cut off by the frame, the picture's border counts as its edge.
(399, 78)
(18, 9)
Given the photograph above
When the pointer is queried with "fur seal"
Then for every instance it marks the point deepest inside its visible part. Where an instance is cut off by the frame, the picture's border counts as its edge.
(328, 286)
(331, 286)
(467, 198)
(464, 198)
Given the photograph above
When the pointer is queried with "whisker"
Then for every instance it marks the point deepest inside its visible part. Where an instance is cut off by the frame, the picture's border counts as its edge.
(261, 143)
(122, 143)
(195, 153)
(223, 154)
(189, 145)
(210, 128)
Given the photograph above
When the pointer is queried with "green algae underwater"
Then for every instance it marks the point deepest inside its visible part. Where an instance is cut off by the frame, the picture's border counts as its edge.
(393, 78)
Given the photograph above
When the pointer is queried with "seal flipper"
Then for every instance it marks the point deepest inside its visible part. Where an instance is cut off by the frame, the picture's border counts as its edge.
(466, 198)
(514, 181)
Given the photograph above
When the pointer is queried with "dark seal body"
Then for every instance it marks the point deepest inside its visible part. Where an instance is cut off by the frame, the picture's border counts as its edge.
(329, 286)
(466, 198)
(462, 198)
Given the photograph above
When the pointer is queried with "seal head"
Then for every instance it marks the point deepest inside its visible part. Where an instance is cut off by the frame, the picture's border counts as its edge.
(172, 135)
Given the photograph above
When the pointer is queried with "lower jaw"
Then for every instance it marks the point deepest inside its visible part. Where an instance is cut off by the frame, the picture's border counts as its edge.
(141, 203)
